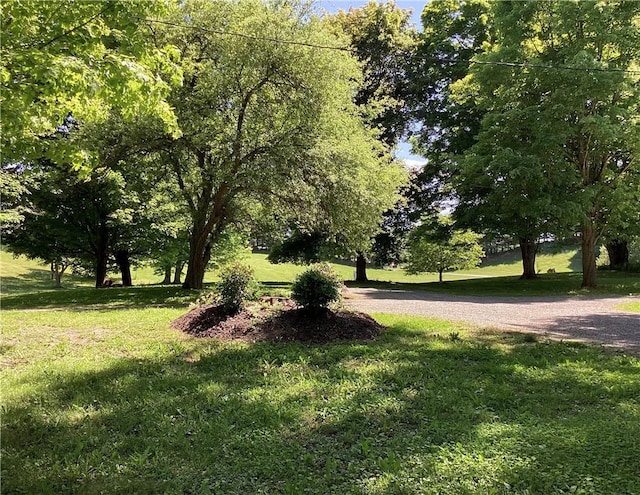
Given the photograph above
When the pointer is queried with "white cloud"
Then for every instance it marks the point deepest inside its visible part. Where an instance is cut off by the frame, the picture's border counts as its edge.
(414, 164)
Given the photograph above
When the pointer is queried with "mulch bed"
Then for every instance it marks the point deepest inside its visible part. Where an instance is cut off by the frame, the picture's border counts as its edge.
(279, 321)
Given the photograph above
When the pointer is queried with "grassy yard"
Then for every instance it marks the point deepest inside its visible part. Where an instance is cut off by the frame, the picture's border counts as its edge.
(22, 275)
(28, 284)
(101, 396)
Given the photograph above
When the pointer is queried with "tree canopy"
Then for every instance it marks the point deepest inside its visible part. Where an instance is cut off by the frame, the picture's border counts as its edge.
(569, 98)
(80, 58)
(437, 246)
(271, 123)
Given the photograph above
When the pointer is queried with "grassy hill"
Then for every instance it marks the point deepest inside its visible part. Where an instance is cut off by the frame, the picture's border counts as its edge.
(22, 275)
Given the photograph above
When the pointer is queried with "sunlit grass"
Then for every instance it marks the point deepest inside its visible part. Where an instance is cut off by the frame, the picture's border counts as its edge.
(114, 401)
(633, 307)
(20, 275)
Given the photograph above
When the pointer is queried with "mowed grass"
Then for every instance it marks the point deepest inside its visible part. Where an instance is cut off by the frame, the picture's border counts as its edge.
(633, 307)
(28, 284)
(114, 401)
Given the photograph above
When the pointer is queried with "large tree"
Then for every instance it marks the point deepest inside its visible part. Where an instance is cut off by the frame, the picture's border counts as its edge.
(81, 57)
(443, 126)
(384, 41)
(454, 31)
(577, 62)
(505, 187)
(68, 219)
(265, 118)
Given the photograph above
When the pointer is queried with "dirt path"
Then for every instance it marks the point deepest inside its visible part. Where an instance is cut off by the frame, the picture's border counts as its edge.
(589, 319)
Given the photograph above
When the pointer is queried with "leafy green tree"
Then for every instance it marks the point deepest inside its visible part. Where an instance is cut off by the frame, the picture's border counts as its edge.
(267, 122)
(454, 31)
(571, 77)
(383, 40)
(444, 126)
(80, 57)
(68, 219)
(438, 246)
(505, 187)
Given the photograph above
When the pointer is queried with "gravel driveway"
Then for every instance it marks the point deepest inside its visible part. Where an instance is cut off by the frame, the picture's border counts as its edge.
(584, 318)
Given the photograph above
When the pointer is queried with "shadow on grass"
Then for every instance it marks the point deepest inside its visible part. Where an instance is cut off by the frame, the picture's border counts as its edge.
(37, 278)
(171, 296)
(556, 284)
(108, 298)
(404, 414)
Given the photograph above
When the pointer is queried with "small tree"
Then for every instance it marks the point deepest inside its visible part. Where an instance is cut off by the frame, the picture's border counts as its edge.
(437, 247)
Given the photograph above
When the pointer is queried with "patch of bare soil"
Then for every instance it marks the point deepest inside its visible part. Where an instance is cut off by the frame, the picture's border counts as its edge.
(280, 322)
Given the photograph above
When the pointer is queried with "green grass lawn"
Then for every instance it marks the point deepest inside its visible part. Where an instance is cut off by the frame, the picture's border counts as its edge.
(114, 401)
(100, 395)
(633, 307)
(499, 275)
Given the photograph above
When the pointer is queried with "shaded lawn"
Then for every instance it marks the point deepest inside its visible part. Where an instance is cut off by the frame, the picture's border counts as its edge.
(552, 284)
(113, 401)
(113, 297)
(559, 284)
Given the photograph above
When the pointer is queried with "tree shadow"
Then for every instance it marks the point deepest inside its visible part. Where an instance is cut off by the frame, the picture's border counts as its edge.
(33, 279)
(112, 298)
(617, 330)
(389, 416)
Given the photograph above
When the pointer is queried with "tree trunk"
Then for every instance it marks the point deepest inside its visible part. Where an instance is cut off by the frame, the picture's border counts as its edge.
(589, 239)
(361, 268)
(440, 275)
(528, 249)
(102, 253)
(122, 259)
(167, 276)
(178, 273)
(198, 259)
(57, 270)
(618, 254)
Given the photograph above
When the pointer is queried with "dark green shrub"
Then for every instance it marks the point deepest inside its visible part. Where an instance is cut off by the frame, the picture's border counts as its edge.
(237, 285)
(316, 288)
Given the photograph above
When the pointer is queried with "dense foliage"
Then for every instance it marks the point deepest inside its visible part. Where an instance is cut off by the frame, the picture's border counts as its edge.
(237, 286)
(213, 120)
(437, 246)
(316, 287)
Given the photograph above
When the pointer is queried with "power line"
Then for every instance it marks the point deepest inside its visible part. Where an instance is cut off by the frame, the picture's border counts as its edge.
(244, 35)
(522, 65)
(525, 65)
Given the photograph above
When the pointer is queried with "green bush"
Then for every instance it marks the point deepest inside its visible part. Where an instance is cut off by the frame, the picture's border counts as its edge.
(237, 285)
(316, 288)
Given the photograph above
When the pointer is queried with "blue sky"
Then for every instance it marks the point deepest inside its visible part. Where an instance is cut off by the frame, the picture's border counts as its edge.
(415, 5)
(404, 150)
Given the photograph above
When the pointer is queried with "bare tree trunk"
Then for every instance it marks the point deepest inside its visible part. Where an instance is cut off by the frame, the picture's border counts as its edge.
(178, 272)
(361, 268)
(167, 276)
(440, 275)
(122, 259)
(618, 251)
(589, 239)
(528, 249)
(57, 270)
(199, 254)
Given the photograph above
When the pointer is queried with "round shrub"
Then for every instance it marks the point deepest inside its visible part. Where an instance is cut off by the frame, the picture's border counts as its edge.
(316, 288)
(237, 285)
